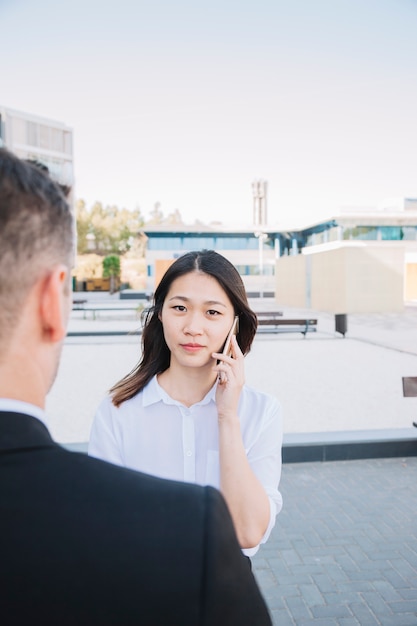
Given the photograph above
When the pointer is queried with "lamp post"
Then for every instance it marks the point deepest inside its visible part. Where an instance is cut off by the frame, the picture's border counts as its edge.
(261, 238)
(259, 191)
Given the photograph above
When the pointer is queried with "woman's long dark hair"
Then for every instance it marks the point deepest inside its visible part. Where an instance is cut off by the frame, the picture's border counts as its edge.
(155, 352)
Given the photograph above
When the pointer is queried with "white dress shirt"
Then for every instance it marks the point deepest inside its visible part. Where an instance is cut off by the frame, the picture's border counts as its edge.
(17, 406)
(155, 434)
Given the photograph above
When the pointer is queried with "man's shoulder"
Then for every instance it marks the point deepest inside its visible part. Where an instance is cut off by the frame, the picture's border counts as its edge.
(114, 479)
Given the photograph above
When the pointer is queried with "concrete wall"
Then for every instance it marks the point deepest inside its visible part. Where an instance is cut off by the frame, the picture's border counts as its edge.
(411, 282)
(291, 280)
(350, 277)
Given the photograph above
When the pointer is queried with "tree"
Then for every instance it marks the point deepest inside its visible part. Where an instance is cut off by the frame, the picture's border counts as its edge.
(174, 218)
(111, 269)
(112, 230)
(157, 216)
(82, 222)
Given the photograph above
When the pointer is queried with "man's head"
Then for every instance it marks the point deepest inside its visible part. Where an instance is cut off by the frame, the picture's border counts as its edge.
(36, 245)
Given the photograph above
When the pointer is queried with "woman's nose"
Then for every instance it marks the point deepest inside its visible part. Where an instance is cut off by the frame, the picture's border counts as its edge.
(193, 325)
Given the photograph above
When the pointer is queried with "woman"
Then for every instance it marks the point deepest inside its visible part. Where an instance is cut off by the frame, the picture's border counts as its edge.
(184, 411)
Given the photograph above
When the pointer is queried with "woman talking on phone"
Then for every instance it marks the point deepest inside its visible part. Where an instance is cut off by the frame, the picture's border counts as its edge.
(184, 412)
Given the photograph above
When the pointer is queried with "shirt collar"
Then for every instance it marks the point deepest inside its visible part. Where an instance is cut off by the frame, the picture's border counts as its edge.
(154, 393)
(17, 406)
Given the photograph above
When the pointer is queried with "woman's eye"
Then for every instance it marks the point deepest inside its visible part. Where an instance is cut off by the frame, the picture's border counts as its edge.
(212, 312)
(179, 307)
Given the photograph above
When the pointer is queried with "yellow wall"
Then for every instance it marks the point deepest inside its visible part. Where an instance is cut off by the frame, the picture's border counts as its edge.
(411, 281)
(161, 266)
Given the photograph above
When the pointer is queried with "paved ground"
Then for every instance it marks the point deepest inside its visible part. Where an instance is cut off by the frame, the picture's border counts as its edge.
(324, 382)
(344, 549)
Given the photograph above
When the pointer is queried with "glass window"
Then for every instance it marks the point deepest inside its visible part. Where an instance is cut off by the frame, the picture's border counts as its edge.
(334, 234)
(202, 242)
(237, 243)
(32, 133)
(389, 233)
(164, 243)
(67, 142)
(57, 140)
(369, 233)
(253, 270)
(18, 130)
(199, 243)
(44, 137)
(247, 270)
(410, 233)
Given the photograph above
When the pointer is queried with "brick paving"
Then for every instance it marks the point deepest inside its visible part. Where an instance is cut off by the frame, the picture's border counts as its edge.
(344, 549)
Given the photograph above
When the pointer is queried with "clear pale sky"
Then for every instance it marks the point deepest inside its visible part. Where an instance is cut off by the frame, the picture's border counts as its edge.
(187, 102)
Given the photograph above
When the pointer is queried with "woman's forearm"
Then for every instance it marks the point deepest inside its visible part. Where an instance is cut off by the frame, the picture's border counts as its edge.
(245, 496)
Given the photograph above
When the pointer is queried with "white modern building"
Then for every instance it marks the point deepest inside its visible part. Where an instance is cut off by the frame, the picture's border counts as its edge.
(358, 261)
(42, 139)
(253, 251)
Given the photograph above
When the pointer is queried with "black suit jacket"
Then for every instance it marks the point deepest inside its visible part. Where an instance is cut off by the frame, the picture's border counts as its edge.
(85, 542)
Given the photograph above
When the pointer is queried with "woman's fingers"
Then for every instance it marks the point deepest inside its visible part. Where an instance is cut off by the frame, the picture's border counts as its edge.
(230, 366)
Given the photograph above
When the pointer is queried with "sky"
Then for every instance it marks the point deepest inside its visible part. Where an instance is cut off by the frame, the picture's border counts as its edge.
(186, 103)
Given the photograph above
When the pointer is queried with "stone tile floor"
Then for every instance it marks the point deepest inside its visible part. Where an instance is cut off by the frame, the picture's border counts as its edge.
(344, 548)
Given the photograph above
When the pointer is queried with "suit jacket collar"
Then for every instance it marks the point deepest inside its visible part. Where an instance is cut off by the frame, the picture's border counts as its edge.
(19, 431)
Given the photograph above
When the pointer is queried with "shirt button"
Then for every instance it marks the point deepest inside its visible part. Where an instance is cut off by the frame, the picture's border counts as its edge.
(189, 453)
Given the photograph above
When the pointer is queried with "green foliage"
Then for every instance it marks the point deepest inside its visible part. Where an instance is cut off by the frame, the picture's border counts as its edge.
(106, 230)
(111, 266)
(110, 230)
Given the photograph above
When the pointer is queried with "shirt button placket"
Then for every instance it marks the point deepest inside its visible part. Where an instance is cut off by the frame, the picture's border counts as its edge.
(188, 441)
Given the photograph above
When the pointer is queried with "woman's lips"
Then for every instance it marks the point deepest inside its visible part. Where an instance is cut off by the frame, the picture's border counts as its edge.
(191, 347)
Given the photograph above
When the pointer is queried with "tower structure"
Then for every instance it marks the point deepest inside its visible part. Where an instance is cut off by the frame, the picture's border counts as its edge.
(259, 191)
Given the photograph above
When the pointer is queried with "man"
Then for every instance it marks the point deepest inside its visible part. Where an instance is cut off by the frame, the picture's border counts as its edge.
(83, 541)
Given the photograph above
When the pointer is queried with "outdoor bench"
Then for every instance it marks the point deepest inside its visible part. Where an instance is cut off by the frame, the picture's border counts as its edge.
(78, 304)
(95, 309)
(274, 322)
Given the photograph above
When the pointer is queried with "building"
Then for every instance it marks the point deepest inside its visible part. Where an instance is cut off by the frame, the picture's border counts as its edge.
(33, 137)
(361, 260)
(253, 251)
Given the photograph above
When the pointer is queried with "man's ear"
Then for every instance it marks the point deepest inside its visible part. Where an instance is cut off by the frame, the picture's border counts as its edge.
(54, 307)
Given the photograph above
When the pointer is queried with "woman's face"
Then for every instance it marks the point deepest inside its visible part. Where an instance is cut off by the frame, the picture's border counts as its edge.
(196, 317)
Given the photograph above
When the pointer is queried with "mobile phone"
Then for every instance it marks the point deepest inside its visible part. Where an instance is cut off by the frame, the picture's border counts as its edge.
(226, 348)
(233, 331)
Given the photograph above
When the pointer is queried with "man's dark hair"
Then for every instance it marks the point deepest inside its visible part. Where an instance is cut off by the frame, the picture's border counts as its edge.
(36, 233)
(66, 189)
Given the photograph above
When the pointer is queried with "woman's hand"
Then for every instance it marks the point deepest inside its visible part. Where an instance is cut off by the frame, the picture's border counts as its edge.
(231, 373)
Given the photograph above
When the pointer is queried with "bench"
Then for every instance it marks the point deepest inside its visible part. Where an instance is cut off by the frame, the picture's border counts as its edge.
(78, 304)
(95, 309)
(131, 294)
(273, 322)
